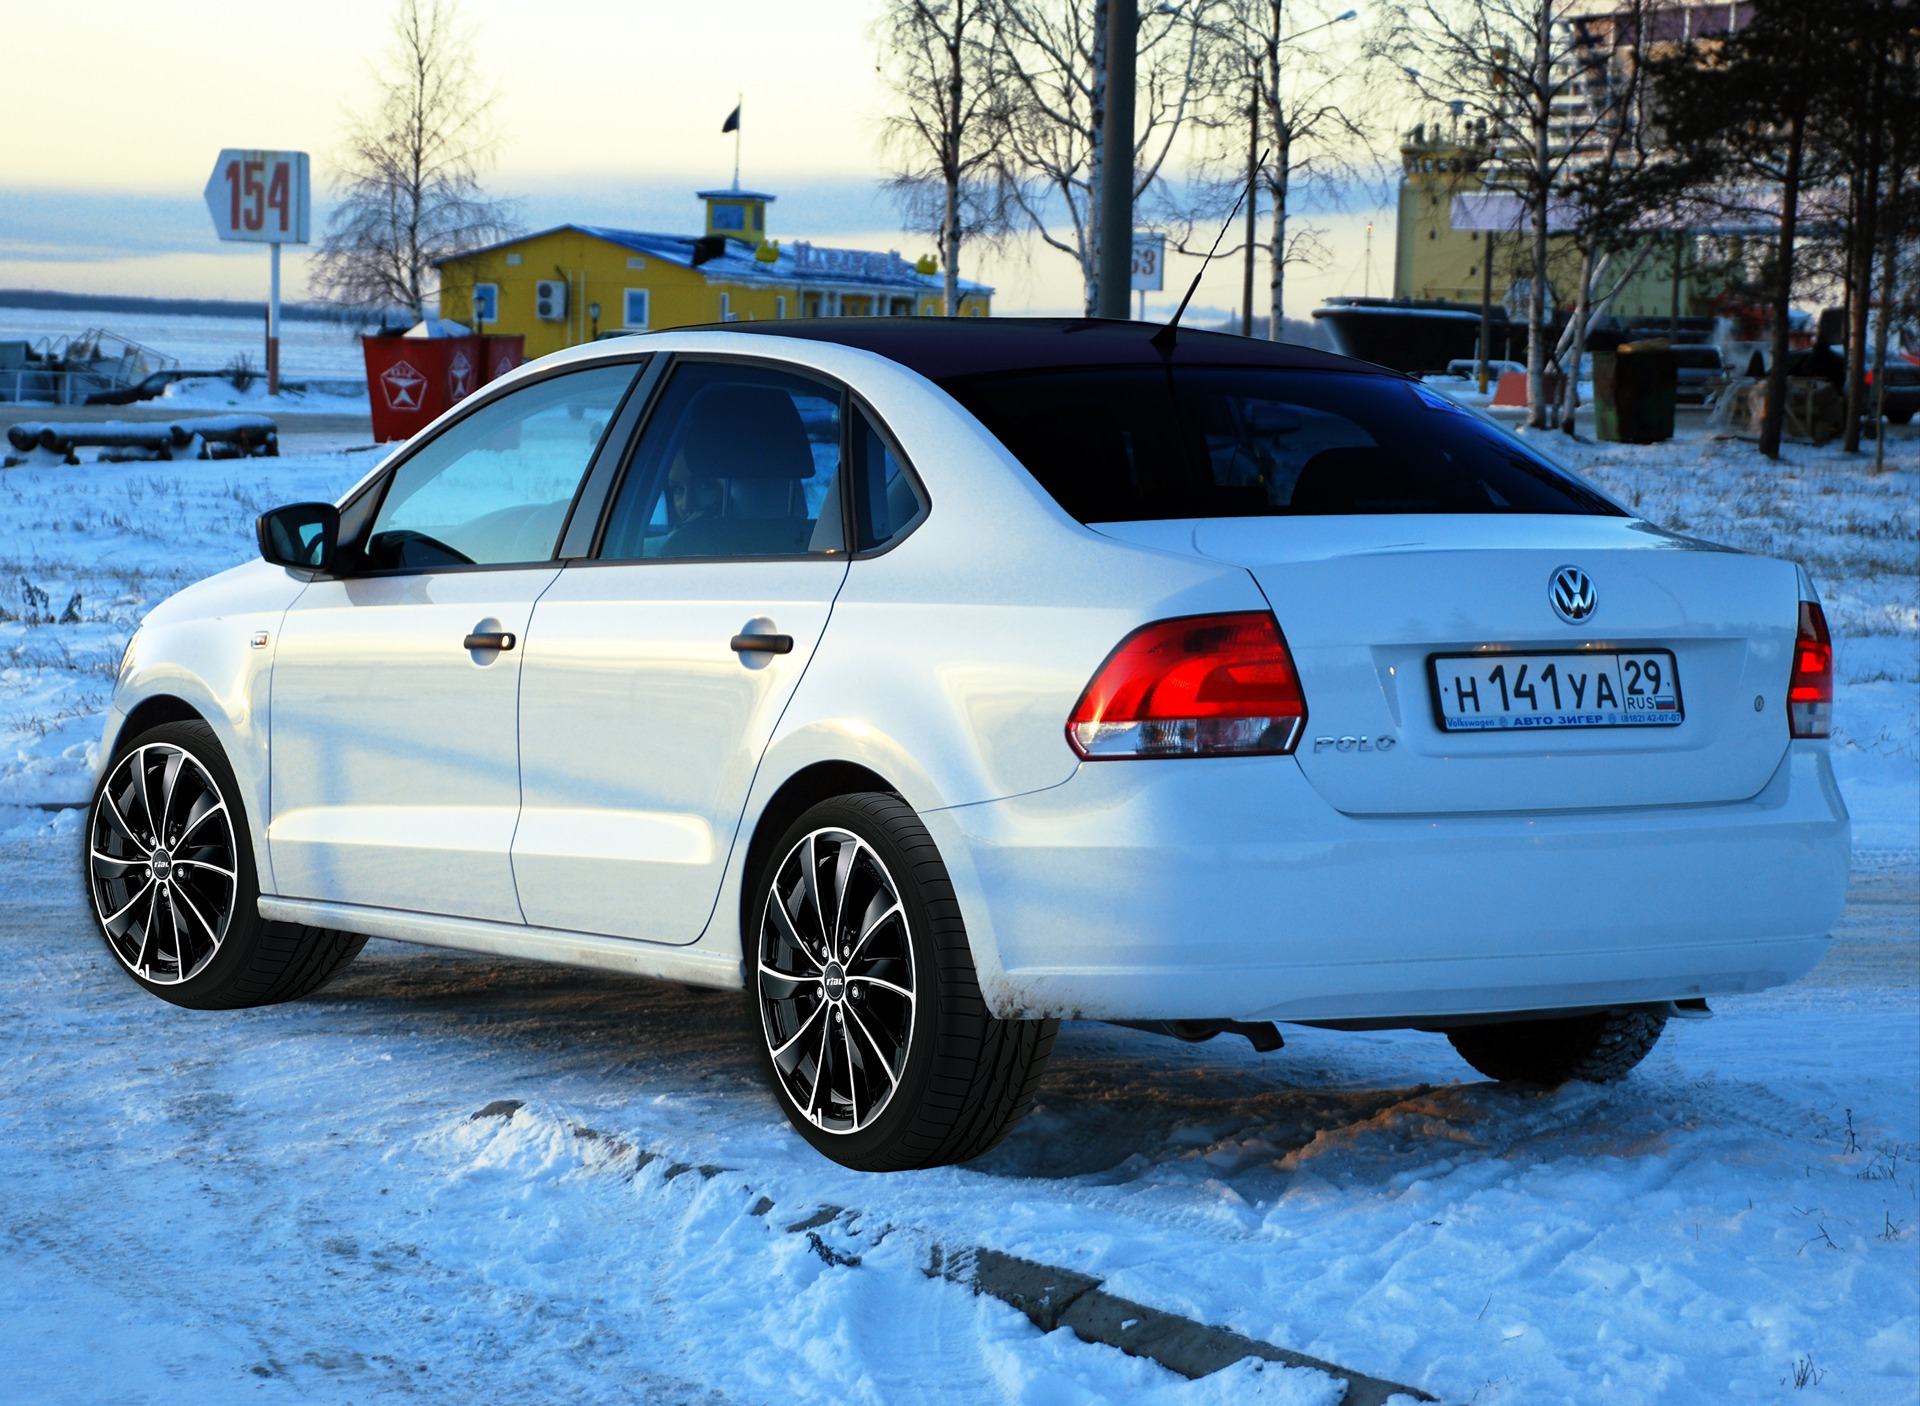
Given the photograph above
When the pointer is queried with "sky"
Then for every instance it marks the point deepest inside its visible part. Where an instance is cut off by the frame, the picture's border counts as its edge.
(609, 111)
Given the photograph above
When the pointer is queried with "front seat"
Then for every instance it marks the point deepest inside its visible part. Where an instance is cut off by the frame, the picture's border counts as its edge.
(751, 442)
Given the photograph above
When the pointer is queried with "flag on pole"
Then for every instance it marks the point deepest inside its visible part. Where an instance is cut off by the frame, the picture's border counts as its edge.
(732, 124)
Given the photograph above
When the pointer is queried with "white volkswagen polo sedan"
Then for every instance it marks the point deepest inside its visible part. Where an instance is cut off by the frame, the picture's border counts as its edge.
(934, 680)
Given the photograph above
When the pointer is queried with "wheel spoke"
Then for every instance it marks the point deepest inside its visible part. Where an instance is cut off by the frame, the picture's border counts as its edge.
(819, 1065)
(794, 1038)
(886, 1063)
(113, 808)
(127, 908)
(845, 854)
(226, 874)
(793, 982)
(139, 761)
(873, 927)
(153, 918)
(883, 985)
(810, 886)
(99, 858)
(794, 940)
(169, 780)
(853, 1092)
(179, 897)
(196, 820)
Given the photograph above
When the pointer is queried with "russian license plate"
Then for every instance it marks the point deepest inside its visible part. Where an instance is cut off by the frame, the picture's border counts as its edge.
(1599, 688)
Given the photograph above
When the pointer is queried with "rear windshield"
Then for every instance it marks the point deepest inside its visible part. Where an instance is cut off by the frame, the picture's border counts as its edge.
(1129, 444)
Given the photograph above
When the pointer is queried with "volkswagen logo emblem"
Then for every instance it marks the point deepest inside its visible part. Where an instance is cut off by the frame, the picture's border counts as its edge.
(1572, 594)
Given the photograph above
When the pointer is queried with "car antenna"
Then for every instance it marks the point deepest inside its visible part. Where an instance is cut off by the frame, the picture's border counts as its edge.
(1163, 338)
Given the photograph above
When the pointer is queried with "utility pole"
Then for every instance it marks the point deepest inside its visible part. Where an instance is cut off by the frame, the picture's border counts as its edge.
(1115, 224)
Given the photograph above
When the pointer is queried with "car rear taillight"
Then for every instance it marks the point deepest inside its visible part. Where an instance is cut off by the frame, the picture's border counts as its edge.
(1202, 686)
(1810, 690)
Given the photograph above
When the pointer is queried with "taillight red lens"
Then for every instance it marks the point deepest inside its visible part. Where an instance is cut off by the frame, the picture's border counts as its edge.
(1203, 686)
(1810, 690)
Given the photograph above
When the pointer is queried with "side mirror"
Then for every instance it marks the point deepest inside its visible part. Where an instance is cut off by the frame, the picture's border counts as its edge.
(300, 536)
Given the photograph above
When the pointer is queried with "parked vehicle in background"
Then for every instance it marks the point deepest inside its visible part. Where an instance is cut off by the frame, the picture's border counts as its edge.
(1700, 374)
(1469, 369)
(1902, 396)
(931, 680)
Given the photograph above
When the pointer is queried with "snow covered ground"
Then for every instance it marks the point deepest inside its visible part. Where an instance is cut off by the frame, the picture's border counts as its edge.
(298, 1203)
(202, 343)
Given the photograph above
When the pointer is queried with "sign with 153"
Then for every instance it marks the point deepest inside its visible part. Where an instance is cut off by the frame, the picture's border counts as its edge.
(263, 197)
(1149, 260)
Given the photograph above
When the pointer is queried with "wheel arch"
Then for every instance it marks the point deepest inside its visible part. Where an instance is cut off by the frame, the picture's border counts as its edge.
(799, 793)
(151, 712)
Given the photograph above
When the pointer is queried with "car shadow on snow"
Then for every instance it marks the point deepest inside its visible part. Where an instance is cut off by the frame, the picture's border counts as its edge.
(1116, 1105)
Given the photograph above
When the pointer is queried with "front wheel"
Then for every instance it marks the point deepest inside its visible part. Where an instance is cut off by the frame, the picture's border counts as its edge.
(865, 1001)
(169, 866)
(1599, 1048)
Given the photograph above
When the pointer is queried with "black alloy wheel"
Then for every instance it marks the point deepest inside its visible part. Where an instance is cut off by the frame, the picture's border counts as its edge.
(865, 1001)
(170, 869)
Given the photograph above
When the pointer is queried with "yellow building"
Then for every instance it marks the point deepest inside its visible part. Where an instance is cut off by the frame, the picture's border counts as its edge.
(572, 283)
(1432, 259)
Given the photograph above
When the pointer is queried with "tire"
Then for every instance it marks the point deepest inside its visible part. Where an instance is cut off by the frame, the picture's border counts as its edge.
(908, 1068)
(1599, 1048)
(181, 916)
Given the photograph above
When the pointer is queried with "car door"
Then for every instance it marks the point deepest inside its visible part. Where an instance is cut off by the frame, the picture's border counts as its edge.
(395, 766)
(646, 698)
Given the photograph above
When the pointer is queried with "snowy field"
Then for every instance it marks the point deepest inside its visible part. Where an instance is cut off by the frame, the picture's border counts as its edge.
(202, 343)
(298, 1203)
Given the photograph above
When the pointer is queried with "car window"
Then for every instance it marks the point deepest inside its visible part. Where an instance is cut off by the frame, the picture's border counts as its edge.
(890, 501)
(493, 488)
(1127, 444)
(735, 461)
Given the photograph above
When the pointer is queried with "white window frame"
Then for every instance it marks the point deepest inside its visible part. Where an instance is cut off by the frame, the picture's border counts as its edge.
(492, 294)
(780, 307)
(645, 295)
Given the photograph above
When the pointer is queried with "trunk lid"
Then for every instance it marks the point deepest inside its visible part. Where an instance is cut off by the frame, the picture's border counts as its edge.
(1365, 602)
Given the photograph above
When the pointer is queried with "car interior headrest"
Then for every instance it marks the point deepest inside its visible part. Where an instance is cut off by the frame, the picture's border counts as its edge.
(746, 432)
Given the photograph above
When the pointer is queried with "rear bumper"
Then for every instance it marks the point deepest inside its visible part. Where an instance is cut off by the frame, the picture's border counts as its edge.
(1230, 889)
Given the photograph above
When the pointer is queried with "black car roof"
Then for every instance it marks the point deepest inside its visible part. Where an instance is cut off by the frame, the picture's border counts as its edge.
(948, 348)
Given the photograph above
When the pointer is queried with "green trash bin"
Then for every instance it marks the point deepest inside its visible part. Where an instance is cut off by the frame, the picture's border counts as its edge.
(1633, 392)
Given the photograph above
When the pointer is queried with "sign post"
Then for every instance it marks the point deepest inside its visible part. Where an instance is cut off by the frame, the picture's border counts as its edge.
(263, 197)
(1149, 266)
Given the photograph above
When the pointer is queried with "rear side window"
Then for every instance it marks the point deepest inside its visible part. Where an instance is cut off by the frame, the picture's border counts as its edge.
(889, 501)
(1127, 444)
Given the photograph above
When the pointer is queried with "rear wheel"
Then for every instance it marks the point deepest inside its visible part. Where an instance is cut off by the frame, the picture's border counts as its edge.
(864, 998)
(169, 866)
(1598, 1048)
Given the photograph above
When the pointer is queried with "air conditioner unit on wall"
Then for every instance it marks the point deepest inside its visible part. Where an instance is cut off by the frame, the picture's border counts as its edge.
(550, 300)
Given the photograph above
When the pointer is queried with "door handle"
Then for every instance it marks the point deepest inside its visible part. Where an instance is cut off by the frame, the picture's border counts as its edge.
(498, 639)
(762, 644)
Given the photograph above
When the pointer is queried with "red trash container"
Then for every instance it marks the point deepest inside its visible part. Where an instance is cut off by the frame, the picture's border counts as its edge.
(411, 380)
(500, 354)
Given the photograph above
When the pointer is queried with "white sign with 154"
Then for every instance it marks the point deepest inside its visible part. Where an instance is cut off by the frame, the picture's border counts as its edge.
(262, 197)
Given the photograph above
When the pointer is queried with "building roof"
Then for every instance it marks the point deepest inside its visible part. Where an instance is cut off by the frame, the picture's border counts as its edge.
(946, 348)
(735, 194)
(799, 263)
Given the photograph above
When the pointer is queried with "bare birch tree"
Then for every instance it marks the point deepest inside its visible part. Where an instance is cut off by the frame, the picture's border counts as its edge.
(1295, 101)
(946, 123)
(1049, 61)
(408, 186)
(1519, 65)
